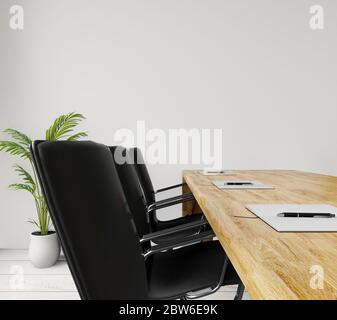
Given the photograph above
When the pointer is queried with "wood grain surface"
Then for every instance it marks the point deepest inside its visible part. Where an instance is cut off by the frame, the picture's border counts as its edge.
(272, 265)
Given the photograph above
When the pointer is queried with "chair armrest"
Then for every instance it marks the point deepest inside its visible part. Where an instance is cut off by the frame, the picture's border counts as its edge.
(170, 202)
(182, 243)
(168, 231)
(188, 196)
(181, 196)
(170, 187)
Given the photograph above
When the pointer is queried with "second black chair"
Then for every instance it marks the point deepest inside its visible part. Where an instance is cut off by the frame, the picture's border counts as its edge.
(137, 159)
(137, 200)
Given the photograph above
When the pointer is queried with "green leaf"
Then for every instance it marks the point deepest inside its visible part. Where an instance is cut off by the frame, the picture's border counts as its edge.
(34, 223)
(19, 137)
(25, 176)
(15, 149)
(22, 186)
(77, 136)
(43, 215)
(63, 126)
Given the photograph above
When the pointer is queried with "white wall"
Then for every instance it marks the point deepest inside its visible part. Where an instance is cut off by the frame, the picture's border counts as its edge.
(256, 65)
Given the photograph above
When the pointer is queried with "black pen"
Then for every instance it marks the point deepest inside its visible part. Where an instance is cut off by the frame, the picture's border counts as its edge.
(209, 171)
(237, 183)
(306, 215)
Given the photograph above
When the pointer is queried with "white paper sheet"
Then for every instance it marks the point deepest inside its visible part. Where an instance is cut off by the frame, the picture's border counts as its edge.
(268, 213)
(254, 184)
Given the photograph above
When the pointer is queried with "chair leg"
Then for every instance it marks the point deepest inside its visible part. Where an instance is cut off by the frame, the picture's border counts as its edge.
(194, 204)
(239, 292)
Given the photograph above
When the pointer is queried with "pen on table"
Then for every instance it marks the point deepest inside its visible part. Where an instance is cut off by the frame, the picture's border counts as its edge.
(305, 215)
(237, 183)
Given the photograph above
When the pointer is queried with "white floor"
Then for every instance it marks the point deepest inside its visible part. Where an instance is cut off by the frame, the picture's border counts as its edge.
(19, 279)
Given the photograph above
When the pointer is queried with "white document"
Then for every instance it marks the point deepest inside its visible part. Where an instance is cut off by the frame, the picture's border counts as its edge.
(269, 214)
(240, 184)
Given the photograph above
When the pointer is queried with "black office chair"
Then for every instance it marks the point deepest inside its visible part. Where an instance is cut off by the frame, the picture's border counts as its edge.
(98, 235)
(150, 196)
(136, 199)
(188, 231)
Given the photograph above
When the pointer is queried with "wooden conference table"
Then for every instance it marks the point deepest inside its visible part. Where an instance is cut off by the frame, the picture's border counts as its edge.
(271, 264)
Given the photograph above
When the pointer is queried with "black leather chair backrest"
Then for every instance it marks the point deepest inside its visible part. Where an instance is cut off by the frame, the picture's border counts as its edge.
(143, 174)
(132, 189)
(145, 181)
(91, 216)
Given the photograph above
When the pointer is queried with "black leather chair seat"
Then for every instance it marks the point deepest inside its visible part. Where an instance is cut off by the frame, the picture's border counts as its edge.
(195, 267)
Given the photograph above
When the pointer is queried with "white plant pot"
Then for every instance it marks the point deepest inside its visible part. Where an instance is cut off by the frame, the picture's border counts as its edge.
(44, 250)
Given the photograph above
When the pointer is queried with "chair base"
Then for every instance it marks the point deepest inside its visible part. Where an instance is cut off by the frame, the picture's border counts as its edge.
(238, 296)
(239, 292)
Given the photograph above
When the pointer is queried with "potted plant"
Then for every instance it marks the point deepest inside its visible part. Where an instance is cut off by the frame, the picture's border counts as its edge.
(44, 248)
